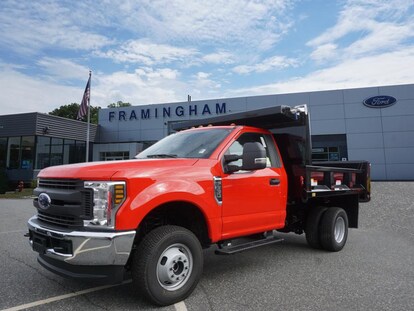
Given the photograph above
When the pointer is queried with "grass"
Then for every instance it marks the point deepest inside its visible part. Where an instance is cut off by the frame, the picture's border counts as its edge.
(25, 194)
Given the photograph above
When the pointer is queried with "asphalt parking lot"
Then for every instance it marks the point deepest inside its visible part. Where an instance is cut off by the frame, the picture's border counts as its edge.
(375, 270)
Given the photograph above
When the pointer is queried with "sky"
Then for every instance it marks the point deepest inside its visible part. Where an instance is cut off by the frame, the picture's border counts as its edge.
(155, 51)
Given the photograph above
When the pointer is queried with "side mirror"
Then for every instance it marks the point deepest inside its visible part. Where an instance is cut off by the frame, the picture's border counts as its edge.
(254, 156)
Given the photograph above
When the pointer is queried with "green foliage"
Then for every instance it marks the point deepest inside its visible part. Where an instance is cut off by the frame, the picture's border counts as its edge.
(33, 183)
(71, 111)
(94, 114)
(66, 111)
(26, 193)
(119, 104)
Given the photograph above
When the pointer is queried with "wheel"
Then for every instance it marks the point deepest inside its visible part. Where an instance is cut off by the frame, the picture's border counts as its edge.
(313, 225)
(334, 229)
(167, 265)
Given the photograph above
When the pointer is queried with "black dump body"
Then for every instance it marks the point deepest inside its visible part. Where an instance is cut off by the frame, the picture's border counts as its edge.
(341, 184)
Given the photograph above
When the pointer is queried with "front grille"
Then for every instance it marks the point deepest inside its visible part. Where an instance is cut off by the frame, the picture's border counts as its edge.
(87, 202)
(71, 203)
(61, 220)
(67, 184)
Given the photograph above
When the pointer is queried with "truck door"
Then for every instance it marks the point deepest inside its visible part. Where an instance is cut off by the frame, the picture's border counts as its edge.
(254, 201)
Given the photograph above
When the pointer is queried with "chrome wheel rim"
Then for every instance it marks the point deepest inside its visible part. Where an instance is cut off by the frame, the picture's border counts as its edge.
(174, 267)
(339, 230)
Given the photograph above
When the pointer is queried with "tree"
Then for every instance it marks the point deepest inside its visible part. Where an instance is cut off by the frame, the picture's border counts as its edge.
(119, 104)
(71, 112)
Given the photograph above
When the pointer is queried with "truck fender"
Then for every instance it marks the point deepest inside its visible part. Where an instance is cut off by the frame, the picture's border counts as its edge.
(165, 192)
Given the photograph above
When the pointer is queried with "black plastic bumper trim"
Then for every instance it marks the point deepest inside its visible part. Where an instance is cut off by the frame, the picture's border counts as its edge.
(96, 274)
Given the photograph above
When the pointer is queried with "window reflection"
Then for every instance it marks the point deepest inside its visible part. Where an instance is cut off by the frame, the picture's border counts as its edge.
(13, 154)
(42, 152)
(27, 152)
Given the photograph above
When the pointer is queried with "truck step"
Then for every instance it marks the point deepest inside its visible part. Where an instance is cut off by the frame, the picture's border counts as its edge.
(230, 250)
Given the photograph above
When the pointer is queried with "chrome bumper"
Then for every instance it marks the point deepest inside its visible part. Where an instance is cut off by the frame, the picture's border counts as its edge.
(88, 248)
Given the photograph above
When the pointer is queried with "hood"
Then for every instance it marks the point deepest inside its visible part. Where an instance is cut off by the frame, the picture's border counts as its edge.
(122, 169)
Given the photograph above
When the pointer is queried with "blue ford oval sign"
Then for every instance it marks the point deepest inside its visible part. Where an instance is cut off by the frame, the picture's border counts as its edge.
(44, 201)
(380, 101)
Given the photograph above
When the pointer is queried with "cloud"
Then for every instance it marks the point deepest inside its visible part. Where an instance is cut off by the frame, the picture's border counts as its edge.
(272, 63)
(257, 25)
(30, 26)
(383, 37)
(365, 27)
(22, 93)
(63, 68)
(204, 84)
(89, 25)
(323, 52)
(143, 86)
(385, 69)
(221, 57)
(146, 52)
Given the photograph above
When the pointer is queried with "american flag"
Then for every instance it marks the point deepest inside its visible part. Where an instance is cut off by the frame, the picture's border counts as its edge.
(83, 109)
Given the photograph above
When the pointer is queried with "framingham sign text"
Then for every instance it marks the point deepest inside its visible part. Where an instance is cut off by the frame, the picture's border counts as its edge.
(167, 112)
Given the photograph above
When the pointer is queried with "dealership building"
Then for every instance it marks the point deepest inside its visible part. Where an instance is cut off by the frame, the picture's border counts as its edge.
(372, 123)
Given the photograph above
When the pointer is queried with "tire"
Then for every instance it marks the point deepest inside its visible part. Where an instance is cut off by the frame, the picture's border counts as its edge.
(167, 265)
(334, 229)
(313, 225)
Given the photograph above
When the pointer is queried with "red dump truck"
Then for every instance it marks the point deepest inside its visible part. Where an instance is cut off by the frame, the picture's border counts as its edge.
(233, 181)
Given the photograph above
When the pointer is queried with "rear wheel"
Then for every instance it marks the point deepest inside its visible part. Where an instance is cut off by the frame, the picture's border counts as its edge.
(167, 264)
(334, 229)
(312, 226)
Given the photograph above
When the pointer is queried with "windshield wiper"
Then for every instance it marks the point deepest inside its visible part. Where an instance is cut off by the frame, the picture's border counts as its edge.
(162, 155)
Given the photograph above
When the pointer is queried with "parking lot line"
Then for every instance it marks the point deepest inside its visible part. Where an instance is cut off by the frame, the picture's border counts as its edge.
(179, 306)
(61, 297)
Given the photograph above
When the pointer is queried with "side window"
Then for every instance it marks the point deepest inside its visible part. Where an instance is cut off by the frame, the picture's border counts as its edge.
(272, 152)
(266, 141)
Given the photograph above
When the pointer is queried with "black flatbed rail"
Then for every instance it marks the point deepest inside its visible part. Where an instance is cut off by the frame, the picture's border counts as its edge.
(338, 180)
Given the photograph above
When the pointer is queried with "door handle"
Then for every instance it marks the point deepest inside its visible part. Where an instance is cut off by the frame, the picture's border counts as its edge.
(274, 181)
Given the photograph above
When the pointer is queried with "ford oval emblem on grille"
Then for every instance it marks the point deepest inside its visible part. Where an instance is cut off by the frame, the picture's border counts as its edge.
(380, 101)
(44, 200)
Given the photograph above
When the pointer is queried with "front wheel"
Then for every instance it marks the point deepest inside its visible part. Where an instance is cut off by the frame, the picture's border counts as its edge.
(334, 229)
(167, 264)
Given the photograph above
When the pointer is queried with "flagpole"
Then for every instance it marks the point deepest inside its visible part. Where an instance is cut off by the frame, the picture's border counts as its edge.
(89, 118)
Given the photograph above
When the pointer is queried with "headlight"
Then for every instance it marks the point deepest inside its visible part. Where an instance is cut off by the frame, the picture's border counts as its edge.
(107, 198)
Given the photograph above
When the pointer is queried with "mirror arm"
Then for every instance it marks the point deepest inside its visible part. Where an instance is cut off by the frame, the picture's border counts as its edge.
(232, 157)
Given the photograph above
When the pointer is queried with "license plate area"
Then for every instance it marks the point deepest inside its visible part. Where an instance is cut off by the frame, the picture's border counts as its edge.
(43, 242)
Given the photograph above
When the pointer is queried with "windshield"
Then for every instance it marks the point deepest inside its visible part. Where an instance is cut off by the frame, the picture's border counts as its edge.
(187, 144)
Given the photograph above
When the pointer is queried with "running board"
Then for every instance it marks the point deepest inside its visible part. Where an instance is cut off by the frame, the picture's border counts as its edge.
(230, 250)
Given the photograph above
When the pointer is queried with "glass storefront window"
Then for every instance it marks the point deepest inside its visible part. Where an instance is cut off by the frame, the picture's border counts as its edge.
(325, 154)
(111, 156)
(69, 151)
(56, 152)
(80, 154)
(13, 153)
(42, 152)
(3, 153)
(27, 152)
